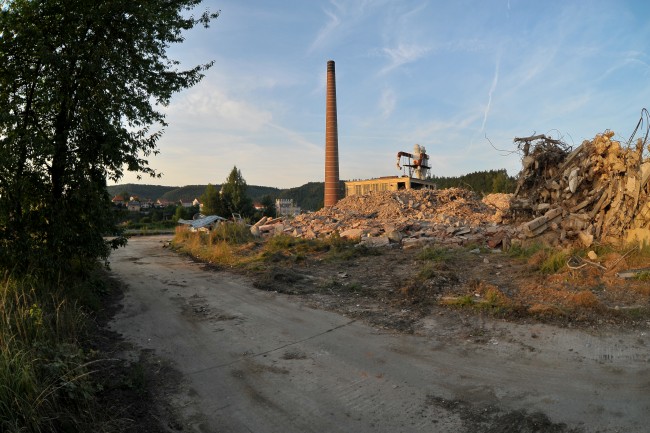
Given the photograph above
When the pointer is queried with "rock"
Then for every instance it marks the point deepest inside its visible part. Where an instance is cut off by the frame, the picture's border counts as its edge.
(586, 238)
(394, 236)
(375, 242)
(410, 243)
(355, 233)
(496, 240)
(592, 255)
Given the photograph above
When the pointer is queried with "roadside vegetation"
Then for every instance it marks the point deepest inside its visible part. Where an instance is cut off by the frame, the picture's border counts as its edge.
(231, 245)
(70, 123)
(45, 371)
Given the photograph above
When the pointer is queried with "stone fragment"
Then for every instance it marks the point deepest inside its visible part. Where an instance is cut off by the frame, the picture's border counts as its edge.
(352, 233)
(375, 242)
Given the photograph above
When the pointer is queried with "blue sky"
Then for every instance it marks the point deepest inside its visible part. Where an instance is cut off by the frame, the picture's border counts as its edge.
(442, 74)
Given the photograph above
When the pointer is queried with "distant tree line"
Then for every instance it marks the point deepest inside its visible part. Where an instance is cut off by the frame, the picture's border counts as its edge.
(486, 182)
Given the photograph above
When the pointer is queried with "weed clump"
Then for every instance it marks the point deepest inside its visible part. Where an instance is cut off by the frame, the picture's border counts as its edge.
(44, 372)
(435, 254)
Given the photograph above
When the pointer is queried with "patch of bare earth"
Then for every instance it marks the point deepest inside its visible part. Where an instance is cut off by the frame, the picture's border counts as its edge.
(396, 288)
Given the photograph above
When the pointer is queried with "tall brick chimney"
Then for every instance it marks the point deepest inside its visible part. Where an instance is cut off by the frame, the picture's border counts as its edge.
(331, 140)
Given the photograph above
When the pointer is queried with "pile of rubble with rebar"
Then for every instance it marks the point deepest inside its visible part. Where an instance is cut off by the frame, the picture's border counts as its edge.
(598, 192)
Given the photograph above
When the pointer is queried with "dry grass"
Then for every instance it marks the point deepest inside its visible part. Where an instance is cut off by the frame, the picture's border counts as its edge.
(233, 247)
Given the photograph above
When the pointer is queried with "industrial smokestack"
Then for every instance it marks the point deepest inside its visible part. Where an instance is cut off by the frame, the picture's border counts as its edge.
(331, 140)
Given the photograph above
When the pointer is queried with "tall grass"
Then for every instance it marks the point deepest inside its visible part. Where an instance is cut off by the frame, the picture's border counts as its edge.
(44, 373)
(233, 245)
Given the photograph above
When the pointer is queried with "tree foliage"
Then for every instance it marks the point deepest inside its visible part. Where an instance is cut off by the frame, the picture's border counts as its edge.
(234, 195)
(480, 181)
(81, 86)
(211, 201)
(269, 207)
(309, 196)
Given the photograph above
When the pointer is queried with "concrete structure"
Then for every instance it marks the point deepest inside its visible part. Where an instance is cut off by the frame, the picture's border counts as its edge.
(285, 207)
(331, 140)
(389, 183)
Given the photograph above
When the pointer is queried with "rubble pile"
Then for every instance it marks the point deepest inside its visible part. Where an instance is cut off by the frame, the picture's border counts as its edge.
(597, 192)
(409, 217)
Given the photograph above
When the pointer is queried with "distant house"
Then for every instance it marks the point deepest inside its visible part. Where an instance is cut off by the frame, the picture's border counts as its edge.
(196, 202)
(134, 206)
(258, 206)
(185, 203)
(163, 203)
(118, 200)
(285, 207)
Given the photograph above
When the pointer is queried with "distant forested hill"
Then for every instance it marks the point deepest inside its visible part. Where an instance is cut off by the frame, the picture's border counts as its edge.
(152, 192)
(480, 181)
(188, 192)
(185, 193)
(310, 196)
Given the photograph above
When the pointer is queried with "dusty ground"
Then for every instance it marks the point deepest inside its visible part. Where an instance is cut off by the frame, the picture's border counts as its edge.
(388, 357)
(394, 288)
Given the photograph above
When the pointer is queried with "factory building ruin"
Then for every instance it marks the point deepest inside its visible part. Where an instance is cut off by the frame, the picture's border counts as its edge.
(388, 183)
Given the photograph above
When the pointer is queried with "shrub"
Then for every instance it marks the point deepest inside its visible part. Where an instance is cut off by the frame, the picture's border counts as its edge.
(232, 233)
(553, 262)
(524, 251)
(435, 254)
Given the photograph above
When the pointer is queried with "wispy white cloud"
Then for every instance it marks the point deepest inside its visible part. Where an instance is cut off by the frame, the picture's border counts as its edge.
(387, 102)
(334, 21)
(209, 106)
(403, 54)
(343, 19)
(493, 87)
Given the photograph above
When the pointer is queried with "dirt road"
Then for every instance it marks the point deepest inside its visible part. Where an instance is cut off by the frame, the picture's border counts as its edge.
(255, 361)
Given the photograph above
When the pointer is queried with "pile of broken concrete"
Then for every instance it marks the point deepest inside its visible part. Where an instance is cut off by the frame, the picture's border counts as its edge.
(410, 218)
(599, 192)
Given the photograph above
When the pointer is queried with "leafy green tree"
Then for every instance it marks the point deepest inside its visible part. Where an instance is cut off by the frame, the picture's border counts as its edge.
(81, 86)
(501, 182)
(234, 195)
(269, 206)
(180, 213)
(211, 200)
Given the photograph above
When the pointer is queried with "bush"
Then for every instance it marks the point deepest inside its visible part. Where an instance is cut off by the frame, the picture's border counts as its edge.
(232, 233)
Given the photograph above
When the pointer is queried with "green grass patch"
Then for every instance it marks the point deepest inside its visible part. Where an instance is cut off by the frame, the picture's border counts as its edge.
(232, 245)
(642, 276)
(427, 272)
(458, 301)
(435, 254)
(553, 262)
(525, 251)
(232, 233)
(46, 379)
